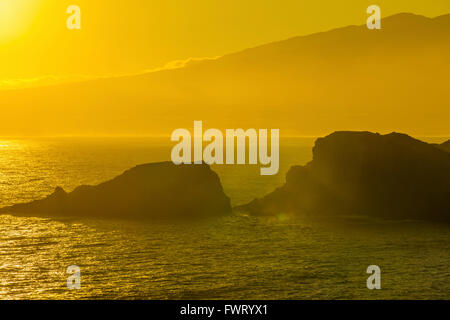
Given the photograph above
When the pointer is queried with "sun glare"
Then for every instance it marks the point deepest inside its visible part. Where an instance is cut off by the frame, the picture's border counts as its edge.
(15, 18)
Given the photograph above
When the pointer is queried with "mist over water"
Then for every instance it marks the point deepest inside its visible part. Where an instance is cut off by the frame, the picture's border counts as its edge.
(234, 257)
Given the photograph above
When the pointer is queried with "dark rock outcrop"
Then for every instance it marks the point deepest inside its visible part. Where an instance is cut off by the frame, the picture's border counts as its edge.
(154, 191)
(389, 176)
(444, 146)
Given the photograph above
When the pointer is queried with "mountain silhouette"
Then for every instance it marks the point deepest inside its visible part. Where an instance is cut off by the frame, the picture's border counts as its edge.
(445, 146)
(351, 77)
(151, 191)
(389, 176)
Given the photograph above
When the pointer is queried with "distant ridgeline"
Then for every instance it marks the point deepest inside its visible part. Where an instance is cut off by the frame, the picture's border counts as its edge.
(360, 173)
(352, 173)
(444, 146)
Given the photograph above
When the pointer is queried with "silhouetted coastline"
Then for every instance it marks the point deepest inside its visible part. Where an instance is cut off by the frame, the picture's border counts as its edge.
(151, 191)
(389, 176)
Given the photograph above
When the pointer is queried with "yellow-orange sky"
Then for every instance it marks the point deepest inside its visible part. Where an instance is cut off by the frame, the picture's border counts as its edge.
(120, 37)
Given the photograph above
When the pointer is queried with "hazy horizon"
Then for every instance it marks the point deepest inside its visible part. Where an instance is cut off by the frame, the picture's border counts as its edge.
(345, 79)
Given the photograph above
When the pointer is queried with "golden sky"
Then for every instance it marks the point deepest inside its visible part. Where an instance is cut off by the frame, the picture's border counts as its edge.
(394, 79)
(121, 37)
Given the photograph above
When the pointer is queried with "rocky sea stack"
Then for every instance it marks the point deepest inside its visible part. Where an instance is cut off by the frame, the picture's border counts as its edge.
(154, 191)
(389, 176)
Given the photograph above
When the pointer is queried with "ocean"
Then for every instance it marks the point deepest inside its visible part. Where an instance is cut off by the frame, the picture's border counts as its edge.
(232, 257)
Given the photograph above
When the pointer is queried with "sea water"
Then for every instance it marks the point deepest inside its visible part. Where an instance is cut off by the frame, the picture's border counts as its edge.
(233, 257)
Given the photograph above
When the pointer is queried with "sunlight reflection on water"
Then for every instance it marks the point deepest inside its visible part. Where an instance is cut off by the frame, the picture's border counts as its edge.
(233, 257)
